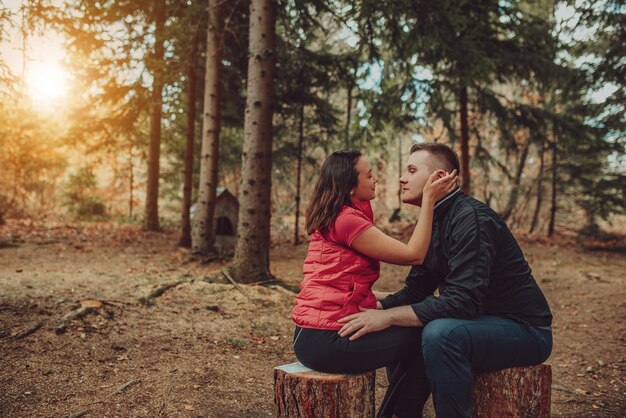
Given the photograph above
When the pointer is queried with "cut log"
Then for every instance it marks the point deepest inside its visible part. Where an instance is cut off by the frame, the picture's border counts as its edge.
(517, 392)
(300, 392)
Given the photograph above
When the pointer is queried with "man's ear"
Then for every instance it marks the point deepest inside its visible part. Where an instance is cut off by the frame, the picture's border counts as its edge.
(440, 174)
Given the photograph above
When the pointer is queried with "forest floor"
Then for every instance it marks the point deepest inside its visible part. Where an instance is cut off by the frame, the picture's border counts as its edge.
(208, 349)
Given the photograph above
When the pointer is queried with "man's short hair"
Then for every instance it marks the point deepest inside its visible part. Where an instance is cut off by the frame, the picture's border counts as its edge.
(443, 153)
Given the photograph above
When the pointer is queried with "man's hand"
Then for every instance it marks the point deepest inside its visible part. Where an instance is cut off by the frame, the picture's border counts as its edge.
(364, 322)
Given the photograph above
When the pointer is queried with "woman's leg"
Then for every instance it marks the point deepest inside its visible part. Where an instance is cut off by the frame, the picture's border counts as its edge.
(326, 351)
(397, 348)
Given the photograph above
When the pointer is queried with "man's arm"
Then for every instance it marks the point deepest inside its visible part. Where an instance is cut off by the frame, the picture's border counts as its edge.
(470, 259)
(372, 320)
(418, 285)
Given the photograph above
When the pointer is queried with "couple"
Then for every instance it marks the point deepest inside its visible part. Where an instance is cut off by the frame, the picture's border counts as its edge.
(489, 314)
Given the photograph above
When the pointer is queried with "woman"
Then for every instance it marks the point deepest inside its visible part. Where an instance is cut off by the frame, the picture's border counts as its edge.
(342, 264)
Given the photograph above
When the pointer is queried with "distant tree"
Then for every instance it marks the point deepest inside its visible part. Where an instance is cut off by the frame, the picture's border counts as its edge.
(151, 217)
(30, 159)
(81, 196)
(251, 261)
(203, 236)
(588, 146)
(190, 134)
(125, 56)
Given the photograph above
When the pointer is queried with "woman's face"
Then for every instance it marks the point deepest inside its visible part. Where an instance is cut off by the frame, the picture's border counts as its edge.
(366, 187)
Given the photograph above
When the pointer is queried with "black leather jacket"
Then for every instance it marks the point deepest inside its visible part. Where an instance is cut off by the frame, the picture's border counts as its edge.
(478, 267)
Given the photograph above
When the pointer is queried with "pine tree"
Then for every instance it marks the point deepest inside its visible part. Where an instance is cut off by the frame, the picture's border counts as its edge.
(251, 261)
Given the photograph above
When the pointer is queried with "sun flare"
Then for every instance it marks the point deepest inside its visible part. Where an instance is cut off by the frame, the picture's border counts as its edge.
(46, 81)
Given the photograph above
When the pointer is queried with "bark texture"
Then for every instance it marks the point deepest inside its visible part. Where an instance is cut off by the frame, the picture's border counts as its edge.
(519, 392)
(251, 261)
(203, 234)
(151, 219)
(314, 394)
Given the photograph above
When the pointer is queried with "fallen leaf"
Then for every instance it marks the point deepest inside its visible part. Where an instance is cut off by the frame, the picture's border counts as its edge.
(91, 303)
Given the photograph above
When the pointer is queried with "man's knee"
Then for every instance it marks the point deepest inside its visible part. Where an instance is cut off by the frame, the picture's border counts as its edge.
(443, 334)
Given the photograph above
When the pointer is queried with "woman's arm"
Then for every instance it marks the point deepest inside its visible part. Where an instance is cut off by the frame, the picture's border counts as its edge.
(375, 244)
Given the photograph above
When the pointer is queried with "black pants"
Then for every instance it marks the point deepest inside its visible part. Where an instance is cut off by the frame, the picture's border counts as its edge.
(397, 348)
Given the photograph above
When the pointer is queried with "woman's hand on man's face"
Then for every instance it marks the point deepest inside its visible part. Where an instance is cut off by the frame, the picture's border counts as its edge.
(440, 184)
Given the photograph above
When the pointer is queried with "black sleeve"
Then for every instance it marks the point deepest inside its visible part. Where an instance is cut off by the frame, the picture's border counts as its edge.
(470, 258)
(418, 285)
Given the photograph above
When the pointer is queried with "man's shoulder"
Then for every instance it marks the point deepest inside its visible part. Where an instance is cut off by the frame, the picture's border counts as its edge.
(469, 209)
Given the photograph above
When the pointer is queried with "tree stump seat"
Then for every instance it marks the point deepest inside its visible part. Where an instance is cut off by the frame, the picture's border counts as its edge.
(302, 392)
(517, 392)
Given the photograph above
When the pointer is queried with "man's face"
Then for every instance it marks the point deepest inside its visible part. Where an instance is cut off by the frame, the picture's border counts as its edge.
(419, 167)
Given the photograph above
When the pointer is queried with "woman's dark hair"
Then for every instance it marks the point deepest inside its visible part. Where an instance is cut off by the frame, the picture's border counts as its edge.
(332, 190)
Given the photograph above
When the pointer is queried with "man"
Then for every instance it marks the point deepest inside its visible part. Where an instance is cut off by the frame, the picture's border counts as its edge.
(490, 313)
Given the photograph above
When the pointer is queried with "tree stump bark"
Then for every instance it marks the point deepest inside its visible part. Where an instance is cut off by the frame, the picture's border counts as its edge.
(302, 392)
(516, 392)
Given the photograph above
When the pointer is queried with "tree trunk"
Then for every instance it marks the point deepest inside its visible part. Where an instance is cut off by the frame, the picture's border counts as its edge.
(251, 261)
(151, 220)
(533, 223)
(554, 181)
(296, 232)
(310, 394)
(513, 196)
(185, 233)
(203, 235)
(465, 170)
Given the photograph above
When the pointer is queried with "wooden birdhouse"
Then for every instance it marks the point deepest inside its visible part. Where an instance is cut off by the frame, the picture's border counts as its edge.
(225, 219)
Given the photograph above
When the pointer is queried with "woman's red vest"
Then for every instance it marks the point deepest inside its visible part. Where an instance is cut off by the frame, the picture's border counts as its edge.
(337, 279)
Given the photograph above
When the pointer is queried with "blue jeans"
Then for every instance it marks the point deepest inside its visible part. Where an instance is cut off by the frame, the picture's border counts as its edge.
(453, 348)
